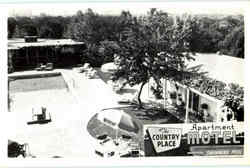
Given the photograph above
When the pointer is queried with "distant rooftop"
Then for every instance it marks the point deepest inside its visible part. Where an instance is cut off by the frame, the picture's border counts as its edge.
(17, 43)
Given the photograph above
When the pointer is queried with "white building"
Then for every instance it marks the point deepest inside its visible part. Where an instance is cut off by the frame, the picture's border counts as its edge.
(219, 67)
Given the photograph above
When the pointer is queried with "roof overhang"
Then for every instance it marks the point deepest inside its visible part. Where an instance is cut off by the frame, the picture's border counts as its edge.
(18, 44)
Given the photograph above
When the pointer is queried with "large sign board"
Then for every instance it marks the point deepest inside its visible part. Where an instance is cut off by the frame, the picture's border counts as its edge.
(197, 139)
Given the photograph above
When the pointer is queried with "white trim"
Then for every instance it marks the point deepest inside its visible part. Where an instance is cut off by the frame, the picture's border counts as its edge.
(187, 104)
(164, 93)
(201, 94)
(190, 89)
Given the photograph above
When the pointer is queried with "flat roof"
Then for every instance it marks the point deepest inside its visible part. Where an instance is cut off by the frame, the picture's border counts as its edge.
(17, 43)
(223, 68)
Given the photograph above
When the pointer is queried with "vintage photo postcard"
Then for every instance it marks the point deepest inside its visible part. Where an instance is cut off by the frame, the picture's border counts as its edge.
(114, 82)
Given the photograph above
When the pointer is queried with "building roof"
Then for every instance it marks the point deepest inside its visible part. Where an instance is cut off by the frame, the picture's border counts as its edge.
(221, 67)
(17, 43)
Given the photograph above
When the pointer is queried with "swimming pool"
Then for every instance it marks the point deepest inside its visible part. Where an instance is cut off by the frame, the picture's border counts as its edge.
(36, 82)
(31, 92)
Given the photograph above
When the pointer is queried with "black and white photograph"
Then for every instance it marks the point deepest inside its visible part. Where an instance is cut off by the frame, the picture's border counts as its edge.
(117, 81)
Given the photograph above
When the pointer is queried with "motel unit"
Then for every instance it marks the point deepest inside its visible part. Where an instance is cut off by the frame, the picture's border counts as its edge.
(222, 68)
(30, 51)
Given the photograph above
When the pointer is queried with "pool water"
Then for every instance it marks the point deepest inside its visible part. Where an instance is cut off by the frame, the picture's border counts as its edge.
(56, 138)
(37, 83)
(29, 91)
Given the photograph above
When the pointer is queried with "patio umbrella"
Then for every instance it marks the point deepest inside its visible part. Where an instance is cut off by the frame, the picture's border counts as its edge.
(118, 119)
(109, 67)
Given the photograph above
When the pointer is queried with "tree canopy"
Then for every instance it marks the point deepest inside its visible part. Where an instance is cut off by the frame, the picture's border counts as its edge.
(155, 49)
(156, 45)
(210, 33)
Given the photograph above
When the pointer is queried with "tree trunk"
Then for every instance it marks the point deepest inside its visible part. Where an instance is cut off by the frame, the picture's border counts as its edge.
(139, 95)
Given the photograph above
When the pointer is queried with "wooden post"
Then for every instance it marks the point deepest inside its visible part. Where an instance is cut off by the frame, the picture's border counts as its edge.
(10, 56)
(37, 55)
(187, 104)
(219, 104)
(55, 54)
(148, 88)
(164, 92)
(27, 56)
(47, 54)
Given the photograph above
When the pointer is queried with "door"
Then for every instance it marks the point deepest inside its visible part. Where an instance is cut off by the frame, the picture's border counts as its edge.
(194, 101)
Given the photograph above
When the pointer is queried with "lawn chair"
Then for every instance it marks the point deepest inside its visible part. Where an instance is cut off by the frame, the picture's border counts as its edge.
(39, 67)
(49, 67)
(40, 118)
(86, 66)
(80, 69)
(126, 137)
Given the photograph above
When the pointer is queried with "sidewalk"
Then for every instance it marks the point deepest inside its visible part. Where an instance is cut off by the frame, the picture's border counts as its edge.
(92, 95)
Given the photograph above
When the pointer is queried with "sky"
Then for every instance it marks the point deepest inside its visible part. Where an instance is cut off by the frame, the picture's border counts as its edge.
(136, 8)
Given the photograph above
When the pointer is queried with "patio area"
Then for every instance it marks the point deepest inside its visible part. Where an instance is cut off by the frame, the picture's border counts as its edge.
(71, 110)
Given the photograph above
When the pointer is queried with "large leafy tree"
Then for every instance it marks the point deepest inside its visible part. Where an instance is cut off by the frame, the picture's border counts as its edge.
(233, 44)
(43, 26)
(24, 27)
(155, 48)
(51, 26)
(99, 32)
(87, 27)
